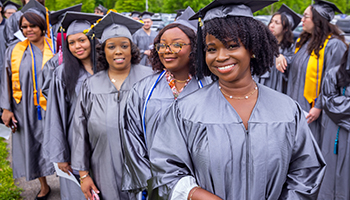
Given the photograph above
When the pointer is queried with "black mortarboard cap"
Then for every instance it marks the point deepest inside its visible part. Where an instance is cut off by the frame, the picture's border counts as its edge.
(179, 13)
(35, 7)
(146, 15)
(77, 22)
(184, 19)
(224, 8)
(115, 25)
(293, 18)
(11, 5)
(103, 9)
(135, 14)
(56, 16)
(326, 9)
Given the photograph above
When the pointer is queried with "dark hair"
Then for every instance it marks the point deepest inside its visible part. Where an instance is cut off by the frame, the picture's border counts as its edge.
(157, 65)
(42, 2)
(322, 29)
(287, 39)
(102, 61)
(343, 75)
(253, 34)
(72, 66)
(34, 19)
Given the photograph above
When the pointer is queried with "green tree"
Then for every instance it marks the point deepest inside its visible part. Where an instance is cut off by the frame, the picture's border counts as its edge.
(130, 5)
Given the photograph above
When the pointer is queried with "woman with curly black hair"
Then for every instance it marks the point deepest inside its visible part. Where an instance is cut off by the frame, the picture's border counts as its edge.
(319, 48)
(335, 144)
(234, 139)
(97, 123)
(62, 96)
(281, 25)
(173, 60)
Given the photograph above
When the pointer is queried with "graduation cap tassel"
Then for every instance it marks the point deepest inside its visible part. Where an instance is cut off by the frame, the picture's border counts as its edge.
(199, 47)
(93, 53)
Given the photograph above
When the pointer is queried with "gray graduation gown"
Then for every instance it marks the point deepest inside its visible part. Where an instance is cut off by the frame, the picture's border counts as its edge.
(144, 42)
(336, 182)
(27, 150)
(11, 28)
(203, 136)
(97, 144)
(48, 70)
(2, 45)
(58, 135)
(275, 79)
(137, 169)
(296, 78)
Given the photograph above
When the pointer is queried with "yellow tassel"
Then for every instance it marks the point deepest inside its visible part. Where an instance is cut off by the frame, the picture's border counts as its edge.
(200, 22)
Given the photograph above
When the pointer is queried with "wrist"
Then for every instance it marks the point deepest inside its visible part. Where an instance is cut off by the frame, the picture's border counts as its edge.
(83, 176)
(192, 192)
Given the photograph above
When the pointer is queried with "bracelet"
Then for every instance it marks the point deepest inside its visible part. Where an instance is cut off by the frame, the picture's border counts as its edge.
(81, 178)
(194, 190)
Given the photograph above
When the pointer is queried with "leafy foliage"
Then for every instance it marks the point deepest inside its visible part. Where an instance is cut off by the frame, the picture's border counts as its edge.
(8, 189)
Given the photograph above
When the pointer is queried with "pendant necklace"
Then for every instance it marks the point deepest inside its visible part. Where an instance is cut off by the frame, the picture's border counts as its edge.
(245, 97)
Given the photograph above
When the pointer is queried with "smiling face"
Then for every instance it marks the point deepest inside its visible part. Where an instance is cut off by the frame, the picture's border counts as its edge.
(276, 26)
(308, 24)
(118, 53)
(175, 61)
(230, 62)
(147, 23)
(31, 31)
(79, 45)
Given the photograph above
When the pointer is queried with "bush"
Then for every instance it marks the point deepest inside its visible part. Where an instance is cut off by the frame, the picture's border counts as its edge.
(8, 189)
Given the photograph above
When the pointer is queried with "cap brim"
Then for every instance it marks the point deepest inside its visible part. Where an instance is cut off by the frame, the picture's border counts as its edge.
(11, 3)
(55, 16)
(285, 9)
(34, 4)
(71, 16)
(332, 5)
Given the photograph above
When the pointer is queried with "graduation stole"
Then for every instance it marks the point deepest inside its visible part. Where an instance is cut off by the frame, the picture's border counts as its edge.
(314, 73)
(16, 59)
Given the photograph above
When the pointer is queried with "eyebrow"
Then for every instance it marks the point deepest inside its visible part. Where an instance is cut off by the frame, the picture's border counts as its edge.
(210, 43)
(173, 39)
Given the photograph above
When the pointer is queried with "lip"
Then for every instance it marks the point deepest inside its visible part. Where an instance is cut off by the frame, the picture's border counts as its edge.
(226, 68)
(80, 52)
(169, 59)
(119, 60)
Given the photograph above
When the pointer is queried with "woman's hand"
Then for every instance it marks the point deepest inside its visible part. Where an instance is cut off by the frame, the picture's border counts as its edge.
(314, 113)
(87, 184)
(281, 63)
(65, 167)
(198, 193)
(7, 117)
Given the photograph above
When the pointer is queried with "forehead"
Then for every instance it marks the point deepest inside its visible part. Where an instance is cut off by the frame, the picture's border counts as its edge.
(277, 17)
(76, 36)
(174, 34)
(308, 10)
(118, 40)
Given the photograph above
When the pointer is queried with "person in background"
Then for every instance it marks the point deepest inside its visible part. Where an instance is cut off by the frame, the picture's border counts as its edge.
(97, 123)
(281, 25)
(335, 144)
(144, 38)
(135, 15)
(234, 139)
(10, 8)
(318, 49)
(11, 27)
(22, 101)
(63, 92)
(173, 61)
(100, 10)
(2, 44)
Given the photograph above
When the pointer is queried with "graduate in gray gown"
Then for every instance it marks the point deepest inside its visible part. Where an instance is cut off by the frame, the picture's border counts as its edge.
(149, 98)
(144, 38)
(22, 100)
(306, 72)
(281, 25)
(2, 44)
(233, 139)
(335, 144)
(63, 92)
(97, 145)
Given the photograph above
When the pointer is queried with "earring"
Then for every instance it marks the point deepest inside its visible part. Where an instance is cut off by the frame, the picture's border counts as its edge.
(253, 56)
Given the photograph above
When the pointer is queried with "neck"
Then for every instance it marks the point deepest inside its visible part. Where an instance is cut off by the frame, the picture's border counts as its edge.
(147, 31)
(279, 39)
(119, 74)
(39, 43)
(180, 75)
(87, 65)
(238, 88)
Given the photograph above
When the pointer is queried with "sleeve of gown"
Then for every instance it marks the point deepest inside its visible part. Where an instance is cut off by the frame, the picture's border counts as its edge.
(55, 135)
(9, 30)
(81, 149)
(6, 82)
(333, 58)
(136, 163)
(307, 166)
(169, 154)
(335, 104)
(47, 72)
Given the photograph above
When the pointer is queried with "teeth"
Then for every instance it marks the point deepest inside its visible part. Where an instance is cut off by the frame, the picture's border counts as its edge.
(226, 67)
(120, 59)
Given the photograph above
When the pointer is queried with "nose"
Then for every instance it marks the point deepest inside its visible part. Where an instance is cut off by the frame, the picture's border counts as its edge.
(303, 19)
(168, 50)
(118, 51)
(222, 55)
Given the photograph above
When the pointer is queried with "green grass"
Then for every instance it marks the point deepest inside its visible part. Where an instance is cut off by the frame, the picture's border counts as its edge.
(8, 189)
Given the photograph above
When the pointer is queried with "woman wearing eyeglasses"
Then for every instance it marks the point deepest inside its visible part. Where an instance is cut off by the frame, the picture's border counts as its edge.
(22, 101)
(173, 60)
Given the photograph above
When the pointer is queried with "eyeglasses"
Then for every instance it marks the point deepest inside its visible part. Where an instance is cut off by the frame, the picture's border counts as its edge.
(31, 26)
(174, 47)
